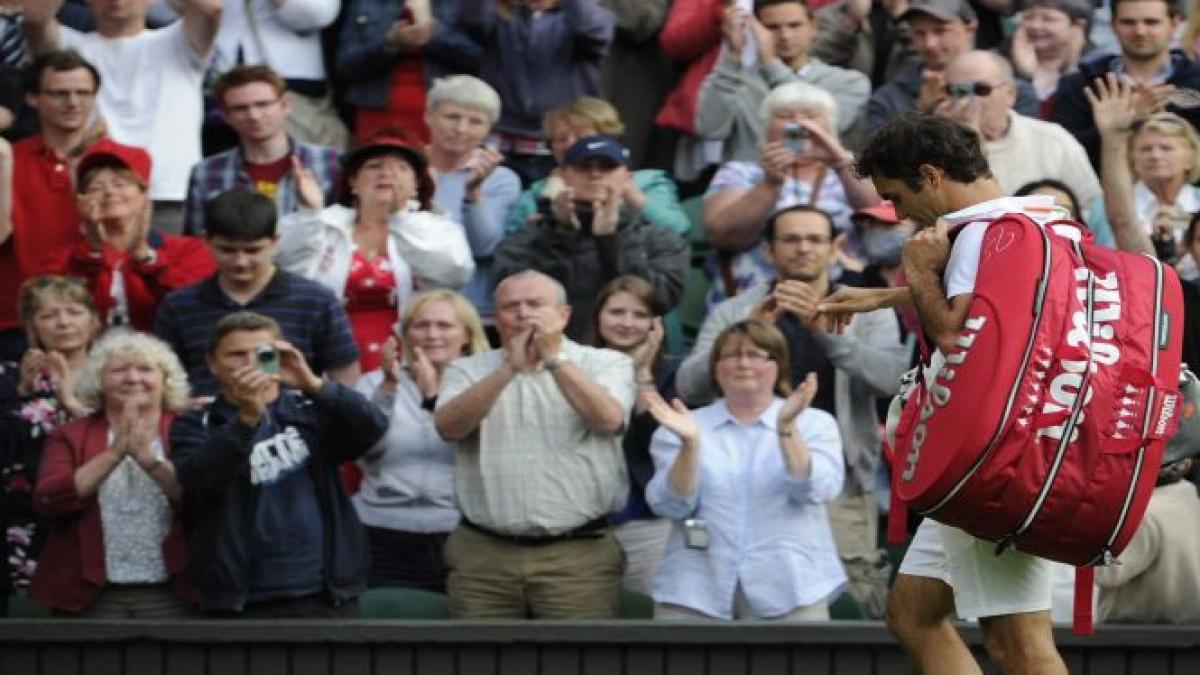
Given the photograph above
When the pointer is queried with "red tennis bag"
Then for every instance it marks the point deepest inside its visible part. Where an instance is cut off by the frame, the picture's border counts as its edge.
(1045, 427)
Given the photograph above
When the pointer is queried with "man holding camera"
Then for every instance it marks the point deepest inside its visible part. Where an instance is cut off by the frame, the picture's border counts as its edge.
(586, 236)
(275, 535)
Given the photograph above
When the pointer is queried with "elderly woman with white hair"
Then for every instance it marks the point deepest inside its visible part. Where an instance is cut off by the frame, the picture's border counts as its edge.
(472, 187)
(117, 548)
(802, 162)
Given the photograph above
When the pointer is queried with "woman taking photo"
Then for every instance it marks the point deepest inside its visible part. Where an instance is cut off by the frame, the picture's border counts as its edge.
(629, 320)
(116, 548)
(382, 243)
(60, 323)
(406, 499)
(744, 480)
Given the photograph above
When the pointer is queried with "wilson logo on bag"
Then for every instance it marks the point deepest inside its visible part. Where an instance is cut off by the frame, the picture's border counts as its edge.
(1045, 427)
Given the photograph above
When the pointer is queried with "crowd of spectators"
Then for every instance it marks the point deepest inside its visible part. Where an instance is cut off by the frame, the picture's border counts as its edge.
(300, 298)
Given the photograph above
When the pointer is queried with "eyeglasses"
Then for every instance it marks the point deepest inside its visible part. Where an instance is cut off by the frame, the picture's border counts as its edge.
(754, 358)
(64, 95)
(810, 239)
(965, 89)
(245, 108)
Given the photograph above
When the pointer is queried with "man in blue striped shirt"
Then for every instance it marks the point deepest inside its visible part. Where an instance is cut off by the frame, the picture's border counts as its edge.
(241, 235)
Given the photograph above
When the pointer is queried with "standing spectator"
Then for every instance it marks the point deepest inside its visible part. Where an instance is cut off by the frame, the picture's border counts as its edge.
(732, 94)
(650, 191)
(129, 267)
(152, 98)
(241, 236)
(587, 238)
(406, 499)
(255, 102)
(866, 35)
(117, 544)
(541, 53)
(941, 30)
(536, 426)
(381, 244)
(276, 535)
(814, 170)
(40, 212)
(751, 539)
(388, 55)
(1144, 29)
(852, 369)
(61, 320)
(638, 76)
(285, 36)
(628, 319)
(1049, 43)
(1019, 149)
(472, 187)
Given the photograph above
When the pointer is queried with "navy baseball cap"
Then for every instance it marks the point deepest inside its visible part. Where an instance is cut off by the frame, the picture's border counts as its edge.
(599, 145)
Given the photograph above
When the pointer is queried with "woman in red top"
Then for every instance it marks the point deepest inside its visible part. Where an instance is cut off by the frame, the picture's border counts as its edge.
(117, 547)
(128, 268)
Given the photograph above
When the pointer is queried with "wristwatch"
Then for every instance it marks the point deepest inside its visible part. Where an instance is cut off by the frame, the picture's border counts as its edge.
(554, 363)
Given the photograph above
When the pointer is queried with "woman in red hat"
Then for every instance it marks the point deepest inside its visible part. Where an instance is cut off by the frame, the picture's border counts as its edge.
(129, 268)
(383, 241)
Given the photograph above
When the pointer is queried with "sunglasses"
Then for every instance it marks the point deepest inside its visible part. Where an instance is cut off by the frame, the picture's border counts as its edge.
(965, 89)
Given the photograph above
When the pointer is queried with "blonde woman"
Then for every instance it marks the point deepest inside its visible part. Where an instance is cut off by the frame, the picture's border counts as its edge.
(118, 549)
(406, 499)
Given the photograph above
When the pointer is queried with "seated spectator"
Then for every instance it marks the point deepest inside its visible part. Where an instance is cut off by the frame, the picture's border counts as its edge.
(536, 426)
(587, 237)
(852, 369)
(472, 187)
(389, 53)
(810, 168)
(980, 94)
(255, 102)
(1155, 580)
(276, 535)
(128, 266)
(406, 500)
(941, 30)
(865, 35)
(731, 97)
(40, 210)
(285, 35)
(382, 242)
(61, 321)
(1048, 43)
(1144, 29)
(628, 319)
(241, 236)
(882, 234)
(540, 54)
(152, 98)
(649, 191)
(1165, 162)
(750, 536)
(116, 548)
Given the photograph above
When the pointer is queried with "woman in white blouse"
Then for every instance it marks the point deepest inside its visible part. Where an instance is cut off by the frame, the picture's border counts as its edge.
(744, 480)
(381, 244)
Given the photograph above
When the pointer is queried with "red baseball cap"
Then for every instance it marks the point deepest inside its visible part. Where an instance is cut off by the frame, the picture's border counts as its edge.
(107, 152)
(883, 211)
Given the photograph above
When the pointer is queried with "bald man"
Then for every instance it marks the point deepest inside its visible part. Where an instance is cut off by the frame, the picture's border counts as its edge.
(980, 93)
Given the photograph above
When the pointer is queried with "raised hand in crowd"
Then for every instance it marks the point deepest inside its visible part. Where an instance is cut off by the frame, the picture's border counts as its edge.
(933, 89)
(796, 458)
(1114, 104)
(643, 354)
(777, 162)
(966, 110)
(389, 363)
(424, 373)
(308, 189)
(483, 162)
(764, 41)
(547, 324)
(1151, 98)
(631, 194)
(414, 30)
(519, 351)
(797, 298)
(674, 416)
(64, 379)
(825, 146)
(606, 212)
(6, 172)
(562, 206)
(1023, 56)
(733, 27)
(248, 389)
(294, 370)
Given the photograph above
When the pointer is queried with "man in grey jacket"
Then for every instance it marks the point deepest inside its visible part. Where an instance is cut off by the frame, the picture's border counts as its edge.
(732, 94)
(853, 369)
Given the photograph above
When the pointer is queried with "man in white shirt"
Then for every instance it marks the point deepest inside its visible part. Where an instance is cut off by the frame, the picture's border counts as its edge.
(981, 91)
(934, 172)
(152, 83)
